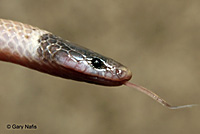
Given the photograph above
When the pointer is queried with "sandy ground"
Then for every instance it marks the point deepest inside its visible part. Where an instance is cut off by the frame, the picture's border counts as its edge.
(157, 40)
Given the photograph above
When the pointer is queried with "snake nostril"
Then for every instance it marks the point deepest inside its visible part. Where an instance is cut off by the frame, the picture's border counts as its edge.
(123, 73)
(120, 73)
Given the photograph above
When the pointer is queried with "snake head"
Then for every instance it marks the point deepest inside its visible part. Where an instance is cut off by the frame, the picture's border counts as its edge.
(79, 63)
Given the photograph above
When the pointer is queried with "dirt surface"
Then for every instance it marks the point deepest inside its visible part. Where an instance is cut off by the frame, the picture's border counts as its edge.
(158, 40)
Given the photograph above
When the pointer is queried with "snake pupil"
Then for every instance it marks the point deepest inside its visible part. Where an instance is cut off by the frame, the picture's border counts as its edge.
(97, 63)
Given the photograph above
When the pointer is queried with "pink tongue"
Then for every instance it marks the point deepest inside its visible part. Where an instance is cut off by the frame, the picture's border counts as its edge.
(155, 96)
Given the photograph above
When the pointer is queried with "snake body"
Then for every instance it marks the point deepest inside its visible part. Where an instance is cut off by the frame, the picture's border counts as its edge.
(43, 51)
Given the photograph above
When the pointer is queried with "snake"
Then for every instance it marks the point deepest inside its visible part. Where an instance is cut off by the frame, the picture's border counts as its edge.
(46, 52)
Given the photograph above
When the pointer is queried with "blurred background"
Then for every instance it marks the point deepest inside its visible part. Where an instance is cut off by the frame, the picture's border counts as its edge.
(157, 40)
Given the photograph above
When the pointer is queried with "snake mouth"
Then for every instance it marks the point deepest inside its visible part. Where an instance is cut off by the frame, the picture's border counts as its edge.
(91, 78)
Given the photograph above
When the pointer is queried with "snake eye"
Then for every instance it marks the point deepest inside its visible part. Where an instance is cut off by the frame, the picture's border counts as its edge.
(97, 63)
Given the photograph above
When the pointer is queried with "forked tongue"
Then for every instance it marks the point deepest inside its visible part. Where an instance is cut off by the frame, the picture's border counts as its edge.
(156, 97)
